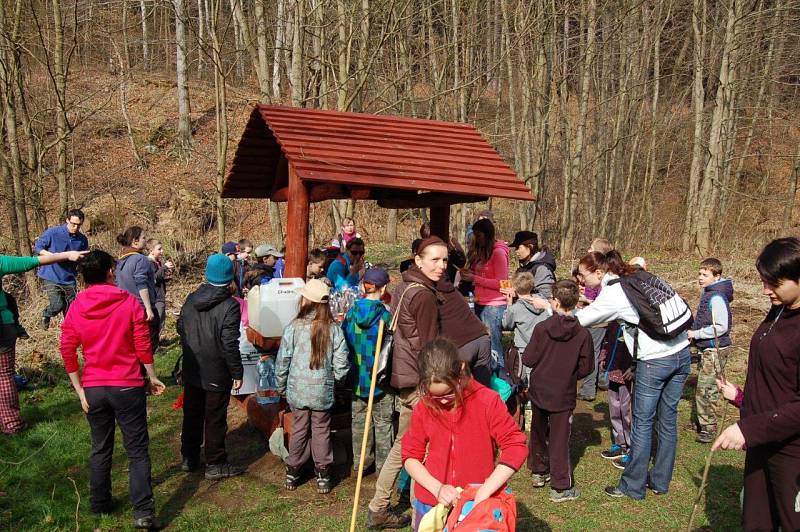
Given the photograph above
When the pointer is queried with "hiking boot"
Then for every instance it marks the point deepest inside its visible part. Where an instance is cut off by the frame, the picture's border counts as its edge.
(386, 519)
(622, 461)
(539, 481)
(705, 436)
(220, 471)
(564, 495)
(323, 480)
(45, 323)
(188, 465)
(148, 522)
(292, 478)
(615, 451)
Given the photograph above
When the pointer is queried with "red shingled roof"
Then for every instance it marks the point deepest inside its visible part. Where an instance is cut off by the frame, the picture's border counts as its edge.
(367, 151)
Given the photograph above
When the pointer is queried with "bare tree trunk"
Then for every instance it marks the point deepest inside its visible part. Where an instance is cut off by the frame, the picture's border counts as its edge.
(788, 209)
(62, 127)
(8, 190)
(145, 35)
(280, 25)
(221, 115)
(184, 121)
(263, 62)
(296, 75)
(202, 17)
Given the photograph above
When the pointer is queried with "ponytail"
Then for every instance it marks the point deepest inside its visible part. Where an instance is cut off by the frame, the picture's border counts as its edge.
(131, 233)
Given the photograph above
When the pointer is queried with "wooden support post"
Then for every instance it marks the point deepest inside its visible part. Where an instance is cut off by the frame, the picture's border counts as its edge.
(440, 222)
(297, 226)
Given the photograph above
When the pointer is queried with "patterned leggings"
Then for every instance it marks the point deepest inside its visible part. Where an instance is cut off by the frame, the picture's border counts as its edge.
(10, 419)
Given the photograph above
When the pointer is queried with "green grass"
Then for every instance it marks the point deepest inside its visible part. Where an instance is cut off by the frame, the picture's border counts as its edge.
(44, 480)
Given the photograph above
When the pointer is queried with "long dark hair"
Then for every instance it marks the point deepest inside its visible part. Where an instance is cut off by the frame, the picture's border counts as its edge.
(482, 252)
(320, 329)
(439, 362)
(131, 233)
(611, 262)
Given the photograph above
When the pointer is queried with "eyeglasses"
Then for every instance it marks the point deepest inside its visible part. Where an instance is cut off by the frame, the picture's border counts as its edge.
(357, 253)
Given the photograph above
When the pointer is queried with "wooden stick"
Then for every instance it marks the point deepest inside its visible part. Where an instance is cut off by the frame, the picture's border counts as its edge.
(367, 427)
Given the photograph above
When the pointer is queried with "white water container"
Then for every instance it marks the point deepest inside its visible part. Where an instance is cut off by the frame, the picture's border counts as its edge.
(276, 304)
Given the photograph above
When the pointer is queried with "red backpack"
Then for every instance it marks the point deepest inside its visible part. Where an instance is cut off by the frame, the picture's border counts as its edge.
(498, 513)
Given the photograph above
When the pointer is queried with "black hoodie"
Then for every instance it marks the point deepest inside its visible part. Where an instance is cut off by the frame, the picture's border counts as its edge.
(560, 352)
(209, 331)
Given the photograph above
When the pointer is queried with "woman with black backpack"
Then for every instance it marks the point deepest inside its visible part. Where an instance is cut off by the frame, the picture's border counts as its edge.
(635, 298)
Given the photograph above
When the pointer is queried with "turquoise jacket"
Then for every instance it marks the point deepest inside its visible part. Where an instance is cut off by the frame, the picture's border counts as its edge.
(302, 386)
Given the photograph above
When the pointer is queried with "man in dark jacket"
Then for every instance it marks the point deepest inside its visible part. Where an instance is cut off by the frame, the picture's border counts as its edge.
(559, 353)
(209, 330)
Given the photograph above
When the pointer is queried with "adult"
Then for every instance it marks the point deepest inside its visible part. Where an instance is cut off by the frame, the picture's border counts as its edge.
(487, 263)
(415, 304)
(110, 327)
(348, 268)
(347, 233)
(269, 256)
(10, 419)
(212, 366)
(536, 260)
(240, 266)
(162, 270)
(456, 258)
(135, 274)
(664, 366)
(58, 278)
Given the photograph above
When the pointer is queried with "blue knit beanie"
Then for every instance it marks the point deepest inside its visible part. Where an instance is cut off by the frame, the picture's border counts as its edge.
(219, 270)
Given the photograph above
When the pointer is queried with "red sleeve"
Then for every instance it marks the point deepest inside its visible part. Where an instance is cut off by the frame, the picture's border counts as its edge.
(69, 345)
(415, 440)
(141, 334)
(497, 270)
(506, 433)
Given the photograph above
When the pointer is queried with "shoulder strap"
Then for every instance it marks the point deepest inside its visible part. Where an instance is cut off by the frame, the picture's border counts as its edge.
(400, 304)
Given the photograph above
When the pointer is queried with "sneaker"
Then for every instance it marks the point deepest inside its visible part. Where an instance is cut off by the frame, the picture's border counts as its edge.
(292, 478)
(386, 519)
(148, 522)
(540, 480)
(188, 465)
(323, 480)
(615, 451)
(613, 491)
(586, 398)
(705, 436)
(622, 461)
(220, 471)
(564, 495)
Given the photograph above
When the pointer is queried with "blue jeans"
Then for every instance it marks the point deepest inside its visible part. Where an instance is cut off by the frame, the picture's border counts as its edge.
(492, 317)
(657, 390)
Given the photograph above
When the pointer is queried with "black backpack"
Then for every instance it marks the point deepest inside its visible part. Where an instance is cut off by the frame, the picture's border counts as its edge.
(514, 371)
(663, 313)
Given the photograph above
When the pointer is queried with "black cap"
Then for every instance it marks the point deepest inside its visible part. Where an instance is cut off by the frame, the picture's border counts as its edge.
(524, 237)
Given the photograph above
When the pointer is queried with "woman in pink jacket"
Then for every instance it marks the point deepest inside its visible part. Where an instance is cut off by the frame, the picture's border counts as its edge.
(487, 264)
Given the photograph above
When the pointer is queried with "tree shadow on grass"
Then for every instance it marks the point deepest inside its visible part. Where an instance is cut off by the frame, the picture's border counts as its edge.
(722, 492)
(585, 433)
(526, 521)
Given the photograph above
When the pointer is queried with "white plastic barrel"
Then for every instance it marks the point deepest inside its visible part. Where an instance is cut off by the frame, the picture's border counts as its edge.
(276, 304)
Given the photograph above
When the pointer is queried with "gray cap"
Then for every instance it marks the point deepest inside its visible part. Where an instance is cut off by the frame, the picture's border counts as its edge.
(265, 250)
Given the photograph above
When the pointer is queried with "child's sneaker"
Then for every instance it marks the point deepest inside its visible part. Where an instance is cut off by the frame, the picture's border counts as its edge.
(706, 435)
(292, 478)
(323, 480)
(622, 461)
(615, 451)
(564, 495)
(540, 480)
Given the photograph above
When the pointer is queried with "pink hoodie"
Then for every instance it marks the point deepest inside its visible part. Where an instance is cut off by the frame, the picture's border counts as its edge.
(111, 326)
(488, 276)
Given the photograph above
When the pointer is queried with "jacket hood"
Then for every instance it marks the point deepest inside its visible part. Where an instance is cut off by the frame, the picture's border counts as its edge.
(543, 257)
(209, 296)
(99, 301)
(367, 312)
(563, 327)
(128, 252)
(445, 286)
(528, 305)
(724, 287)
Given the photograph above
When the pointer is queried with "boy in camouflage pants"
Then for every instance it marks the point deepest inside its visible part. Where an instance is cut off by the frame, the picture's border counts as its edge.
(361, 333)
(711, 335)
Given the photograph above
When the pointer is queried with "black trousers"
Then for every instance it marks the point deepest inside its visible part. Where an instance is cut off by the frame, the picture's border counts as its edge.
(205, 417)
(126, 407)
(771, 491)
(549, 451)
(59, 298)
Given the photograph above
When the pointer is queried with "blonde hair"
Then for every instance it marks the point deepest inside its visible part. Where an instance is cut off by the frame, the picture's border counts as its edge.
(523, 283)
(601, 245)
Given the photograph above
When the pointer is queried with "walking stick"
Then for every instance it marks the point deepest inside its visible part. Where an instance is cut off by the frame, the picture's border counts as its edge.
(702, 487)
(367, 427)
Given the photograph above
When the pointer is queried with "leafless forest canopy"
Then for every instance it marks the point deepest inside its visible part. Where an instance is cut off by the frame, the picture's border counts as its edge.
(666, 124)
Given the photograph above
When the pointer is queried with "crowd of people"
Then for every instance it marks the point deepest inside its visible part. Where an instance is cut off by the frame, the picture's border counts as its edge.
(454, 405)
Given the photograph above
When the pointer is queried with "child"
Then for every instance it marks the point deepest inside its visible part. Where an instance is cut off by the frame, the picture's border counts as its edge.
(711, 335)
(615, 362)
(455, 432)
(521, 316)
(315, 268)
(163, 274)
(769, 427)
(313, 355)
(361, 333)
(560, 353)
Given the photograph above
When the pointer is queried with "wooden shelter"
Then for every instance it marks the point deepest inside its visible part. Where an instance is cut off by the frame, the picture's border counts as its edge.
(306, 155)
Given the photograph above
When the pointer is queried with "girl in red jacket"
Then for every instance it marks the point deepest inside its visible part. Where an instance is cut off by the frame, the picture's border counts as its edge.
(461, 424)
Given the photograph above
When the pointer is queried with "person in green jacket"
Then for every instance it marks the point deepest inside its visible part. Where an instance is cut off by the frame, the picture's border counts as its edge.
(10, 419)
